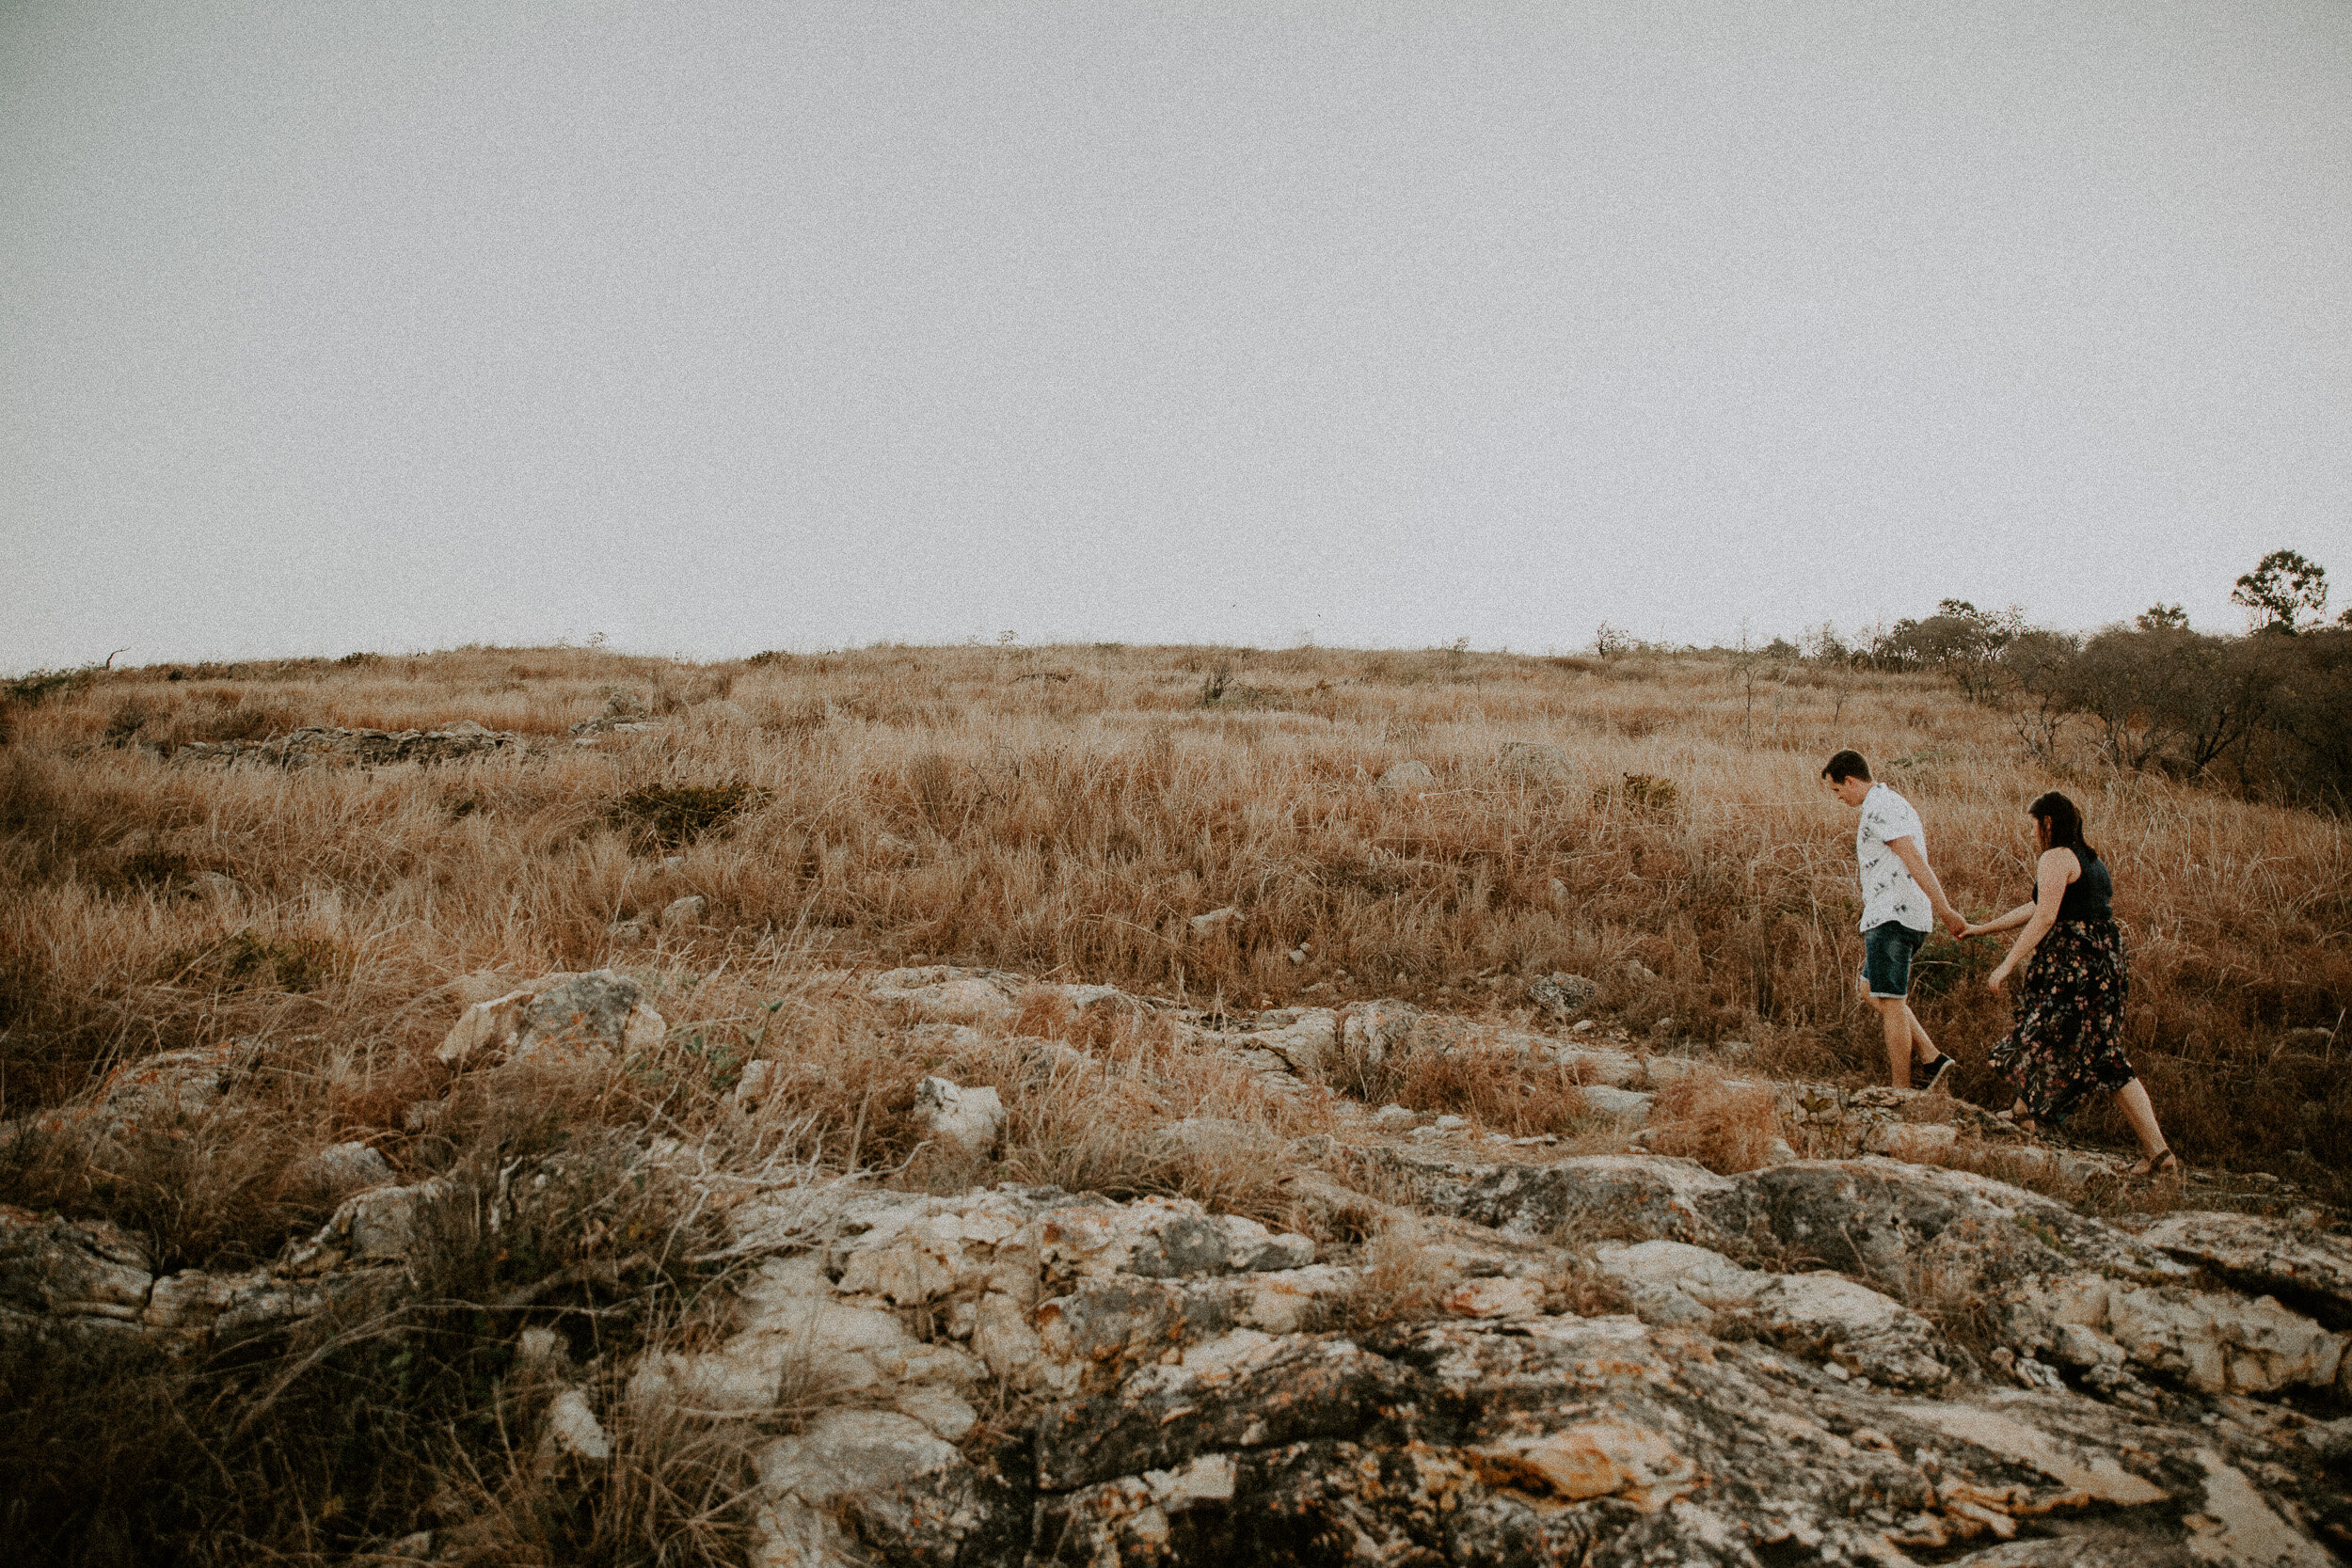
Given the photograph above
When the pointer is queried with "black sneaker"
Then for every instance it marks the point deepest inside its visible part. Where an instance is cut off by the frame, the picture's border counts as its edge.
(1940, 1071)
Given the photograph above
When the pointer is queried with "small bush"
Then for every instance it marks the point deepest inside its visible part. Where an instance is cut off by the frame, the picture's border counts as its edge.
(1644, 792)
(668, 817)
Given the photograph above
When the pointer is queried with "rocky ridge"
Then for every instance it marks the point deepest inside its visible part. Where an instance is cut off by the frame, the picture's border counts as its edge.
(1864, 1355)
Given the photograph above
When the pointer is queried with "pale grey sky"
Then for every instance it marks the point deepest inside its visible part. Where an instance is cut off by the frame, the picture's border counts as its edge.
(722, 327)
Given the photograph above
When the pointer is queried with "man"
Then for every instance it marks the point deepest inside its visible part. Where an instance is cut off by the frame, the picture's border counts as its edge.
(1901, 901)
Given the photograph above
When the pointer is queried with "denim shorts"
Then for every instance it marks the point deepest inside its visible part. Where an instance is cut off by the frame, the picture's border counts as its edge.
(1886, 953)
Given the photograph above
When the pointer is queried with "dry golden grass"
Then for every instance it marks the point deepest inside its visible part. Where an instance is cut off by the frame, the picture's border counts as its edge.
(1729, 1128)
(1062, 811)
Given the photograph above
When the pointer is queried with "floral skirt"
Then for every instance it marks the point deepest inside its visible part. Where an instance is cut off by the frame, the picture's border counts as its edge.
(2067, 1036)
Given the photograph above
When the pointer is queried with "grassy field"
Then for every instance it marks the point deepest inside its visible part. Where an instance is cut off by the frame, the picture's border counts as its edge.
(1064, 812)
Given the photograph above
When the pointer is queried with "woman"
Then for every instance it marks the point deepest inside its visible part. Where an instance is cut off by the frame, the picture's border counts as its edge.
(2068, 1036)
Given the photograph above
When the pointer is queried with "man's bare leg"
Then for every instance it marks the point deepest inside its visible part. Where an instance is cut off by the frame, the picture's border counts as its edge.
(1895, 1016)
(1906, 1039)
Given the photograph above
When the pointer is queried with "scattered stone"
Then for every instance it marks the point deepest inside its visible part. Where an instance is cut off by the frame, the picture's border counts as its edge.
(969, 1120)
(348, 1168)
(945, 994)
(1561, 996)
(1392, 1115)
(684, 914)
(573, 1428)
(1630, 1107)
(1215, 921)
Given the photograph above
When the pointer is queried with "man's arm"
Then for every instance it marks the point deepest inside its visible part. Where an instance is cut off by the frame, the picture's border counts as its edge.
(1907, 850)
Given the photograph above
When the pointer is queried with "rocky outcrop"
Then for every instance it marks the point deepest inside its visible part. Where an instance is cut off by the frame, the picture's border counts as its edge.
(462, 740)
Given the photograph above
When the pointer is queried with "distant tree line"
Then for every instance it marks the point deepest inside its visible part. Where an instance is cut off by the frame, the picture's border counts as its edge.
(2267, 714)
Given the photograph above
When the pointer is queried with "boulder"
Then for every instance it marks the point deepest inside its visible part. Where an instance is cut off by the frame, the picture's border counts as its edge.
(560, 1019)
(587, 1021)
(1305, 1045)
(1900, 1224)
(484, 1030)
(1531, 763)
(1407, 775)
(1822, 1316)
(851, 1473)
(1377, 1030)
(1629, 1107)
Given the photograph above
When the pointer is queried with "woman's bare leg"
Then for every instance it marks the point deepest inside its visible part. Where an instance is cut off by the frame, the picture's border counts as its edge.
(2141, 1113)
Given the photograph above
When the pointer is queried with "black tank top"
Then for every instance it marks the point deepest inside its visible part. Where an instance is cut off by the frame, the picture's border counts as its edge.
(2089, 895)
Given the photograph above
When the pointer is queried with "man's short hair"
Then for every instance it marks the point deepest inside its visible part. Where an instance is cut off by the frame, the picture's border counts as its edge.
(1845, 764)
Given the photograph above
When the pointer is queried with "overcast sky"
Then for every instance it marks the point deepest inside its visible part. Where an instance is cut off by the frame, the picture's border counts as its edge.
(715, 327)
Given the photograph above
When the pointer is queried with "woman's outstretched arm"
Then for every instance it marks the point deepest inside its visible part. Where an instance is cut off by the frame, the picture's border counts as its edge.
(2000, 923)
(2049, 891)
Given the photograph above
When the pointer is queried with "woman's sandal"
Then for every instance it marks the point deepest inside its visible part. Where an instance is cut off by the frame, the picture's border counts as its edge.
(2162, 1163)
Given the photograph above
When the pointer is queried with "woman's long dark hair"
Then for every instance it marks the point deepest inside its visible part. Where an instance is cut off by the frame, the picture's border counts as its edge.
(2066, 823)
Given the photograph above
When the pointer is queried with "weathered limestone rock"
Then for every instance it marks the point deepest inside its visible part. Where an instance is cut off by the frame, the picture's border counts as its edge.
(1562, 996)
(1302, 1048)
(1216, 922)
(850, 1470)
(386, 1225)
(2311, 1267)
(557, 1021)
(1600, 1194)
(1822, 1316)
(685, 915)
(587, 1021)
(163, 1093)
(945, 994)
(348, 1168)
(1531, 763)
(2216, 1342)
(573, 1428)
(1630, 1107)
(1887, 1220)
(1377, 1029)
(968, 1120)
(1407, 775)
(55, 1274)
(1915, 1142)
